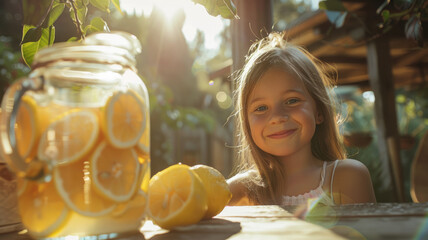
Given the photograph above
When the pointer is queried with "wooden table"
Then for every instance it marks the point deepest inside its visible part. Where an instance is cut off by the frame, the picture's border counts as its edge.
(360, 221)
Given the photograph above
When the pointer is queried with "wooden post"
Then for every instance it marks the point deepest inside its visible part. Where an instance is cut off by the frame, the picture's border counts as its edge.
(255, 21)
(382, 83)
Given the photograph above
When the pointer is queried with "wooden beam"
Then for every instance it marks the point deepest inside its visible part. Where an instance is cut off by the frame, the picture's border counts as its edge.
(344, 59)
(309, 23)
(381, 81)
(411, 57)
(305, 38)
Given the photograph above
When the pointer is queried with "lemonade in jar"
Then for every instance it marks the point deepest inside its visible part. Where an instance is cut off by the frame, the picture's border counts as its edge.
(76, 132)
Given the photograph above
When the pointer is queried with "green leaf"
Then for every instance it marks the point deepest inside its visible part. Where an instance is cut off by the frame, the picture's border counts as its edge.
(72, 39)
(32, 34)
(56, 11)
(34, 11)
(227, 9)
(81, 3)
(385, 15)
(116, 4)
(102, 5)
(224, 8)
(332, 5)
(97, 25)
(413, 30)
(29, 49)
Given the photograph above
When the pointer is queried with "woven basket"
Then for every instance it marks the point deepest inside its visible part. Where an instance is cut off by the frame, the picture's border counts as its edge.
(9, 220)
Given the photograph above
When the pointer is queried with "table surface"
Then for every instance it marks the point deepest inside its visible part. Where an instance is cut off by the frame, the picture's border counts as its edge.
(357, 221)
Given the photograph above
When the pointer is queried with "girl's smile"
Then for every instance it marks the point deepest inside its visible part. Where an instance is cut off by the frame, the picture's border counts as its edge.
(282, 134)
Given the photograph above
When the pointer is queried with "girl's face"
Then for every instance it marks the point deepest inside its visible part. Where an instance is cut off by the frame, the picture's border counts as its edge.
(282, 115)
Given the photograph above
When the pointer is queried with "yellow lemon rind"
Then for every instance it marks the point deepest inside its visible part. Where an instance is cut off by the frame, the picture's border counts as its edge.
(108, 116)
(56, 227)
(31, 106)
(194, 207)
(218, 190)
(106, 192)
(66, 198)
(90, 141)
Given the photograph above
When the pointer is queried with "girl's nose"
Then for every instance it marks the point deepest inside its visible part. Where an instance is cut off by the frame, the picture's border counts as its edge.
(279, 116)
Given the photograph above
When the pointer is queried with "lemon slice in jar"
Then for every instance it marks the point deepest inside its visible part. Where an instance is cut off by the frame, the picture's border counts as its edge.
(115, 172)
(144, 141)
(75, 185)
(27, 127)
(144, 177)
(134, 209)
(42, 209)
(124, 119)
(70, 137)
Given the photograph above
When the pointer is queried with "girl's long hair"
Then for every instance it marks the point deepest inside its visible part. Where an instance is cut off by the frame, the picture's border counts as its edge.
(275, 51)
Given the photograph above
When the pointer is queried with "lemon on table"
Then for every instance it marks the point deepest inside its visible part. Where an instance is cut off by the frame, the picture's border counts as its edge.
(124, 119)
(216, 187)
(41, 208)
(176, 197)
(74, 184)
(115, 172)
(70, 137)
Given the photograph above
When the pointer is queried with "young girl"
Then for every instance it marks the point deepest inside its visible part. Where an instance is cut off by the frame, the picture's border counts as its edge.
(290, 149)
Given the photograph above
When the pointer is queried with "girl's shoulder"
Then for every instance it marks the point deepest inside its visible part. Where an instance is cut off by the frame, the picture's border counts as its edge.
(244, 176)
(350, 171)
(240, 181)
(238, 185)
(350, 166)
(352, 179)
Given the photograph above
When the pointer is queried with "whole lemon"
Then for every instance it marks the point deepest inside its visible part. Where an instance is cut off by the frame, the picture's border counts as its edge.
(176, 197)
(216, 187)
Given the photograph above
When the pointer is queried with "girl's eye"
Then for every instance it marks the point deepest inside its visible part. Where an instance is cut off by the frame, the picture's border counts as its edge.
(292, 101)
(261, 108)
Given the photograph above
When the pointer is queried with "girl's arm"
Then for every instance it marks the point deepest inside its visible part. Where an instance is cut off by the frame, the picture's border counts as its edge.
(239, 190)
(352, 182)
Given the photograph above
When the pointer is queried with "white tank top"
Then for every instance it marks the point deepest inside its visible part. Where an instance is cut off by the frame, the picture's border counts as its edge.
(317, 193)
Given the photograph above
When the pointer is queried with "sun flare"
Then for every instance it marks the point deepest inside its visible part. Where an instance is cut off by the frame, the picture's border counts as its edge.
(196, 18)
(169, 7)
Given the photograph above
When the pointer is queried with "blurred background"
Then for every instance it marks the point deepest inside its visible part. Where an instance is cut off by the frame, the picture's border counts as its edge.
(186, 63)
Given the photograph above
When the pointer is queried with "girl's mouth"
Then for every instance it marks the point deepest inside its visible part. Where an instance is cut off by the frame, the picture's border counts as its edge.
(282, 134)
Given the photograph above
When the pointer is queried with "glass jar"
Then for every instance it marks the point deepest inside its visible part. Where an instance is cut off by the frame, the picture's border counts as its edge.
(76, 133)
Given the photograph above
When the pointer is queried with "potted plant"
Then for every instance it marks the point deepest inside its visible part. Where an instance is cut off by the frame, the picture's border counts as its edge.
(357, 113)
(412, 115)
(358, 124)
